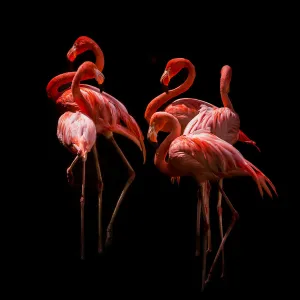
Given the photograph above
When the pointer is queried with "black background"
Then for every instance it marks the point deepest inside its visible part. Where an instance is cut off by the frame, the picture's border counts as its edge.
(154, 234)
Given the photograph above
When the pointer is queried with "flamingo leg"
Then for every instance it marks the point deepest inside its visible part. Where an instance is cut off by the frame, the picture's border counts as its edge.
(205, 197)
(219, 209)
(69, 170)
(199, 207)
(235, 217)
(100, 191)
(82, 202)
(207, 239)
(205, 242)
(128, 183)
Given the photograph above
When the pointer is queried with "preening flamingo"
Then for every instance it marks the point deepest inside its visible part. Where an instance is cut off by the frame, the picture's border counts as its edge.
(205, 157)
(111, 115)
(77, 132)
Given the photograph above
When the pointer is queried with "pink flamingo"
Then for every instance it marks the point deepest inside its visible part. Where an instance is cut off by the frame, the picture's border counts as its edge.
(224, 122)
(111, 114)
(205, 157)
(186, 110)
(77, 132)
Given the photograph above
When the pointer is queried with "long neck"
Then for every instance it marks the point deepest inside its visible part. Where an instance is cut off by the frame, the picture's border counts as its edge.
(158, 101)
(224, 95)
(98, 54)
(56, 82)
(161, 153)
(77, 95)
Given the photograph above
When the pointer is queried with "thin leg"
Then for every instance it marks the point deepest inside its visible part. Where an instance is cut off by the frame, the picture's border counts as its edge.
(82, 202)
(205, 244)
(219, 209)
(100, 190)
(235, 216)
(205, 199)
(199, 207)
(128, 183)
(69, 170)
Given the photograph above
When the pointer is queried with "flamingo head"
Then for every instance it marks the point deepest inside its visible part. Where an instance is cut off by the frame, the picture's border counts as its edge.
(173, 67)
(157, 123)
(82, 44)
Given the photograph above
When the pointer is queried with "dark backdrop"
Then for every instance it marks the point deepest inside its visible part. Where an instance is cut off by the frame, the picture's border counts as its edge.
(154, 234)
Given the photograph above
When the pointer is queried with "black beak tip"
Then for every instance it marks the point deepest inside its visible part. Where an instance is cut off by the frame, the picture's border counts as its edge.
(154, 144)
(165, 88)
(101, 88)
(71, 66)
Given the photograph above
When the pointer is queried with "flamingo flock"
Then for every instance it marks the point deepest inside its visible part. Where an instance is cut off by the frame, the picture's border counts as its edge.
(200, 141)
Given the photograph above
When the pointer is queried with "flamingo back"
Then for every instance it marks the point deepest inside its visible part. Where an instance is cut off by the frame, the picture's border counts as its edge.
(207, 157)
(185, 109)
(222, 122)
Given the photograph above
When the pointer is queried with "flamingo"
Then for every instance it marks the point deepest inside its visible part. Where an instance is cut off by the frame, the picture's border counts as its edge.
(111, 114)
(205, 157)
(77, 132)
(186, 110)
(224, 122)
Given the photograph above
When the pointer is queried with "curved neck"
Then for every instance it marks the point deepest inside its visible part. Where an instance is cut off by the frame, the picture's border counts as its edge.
(56, 82)
(98, 54)
(77, 94)
(158, 101)
(224, 95)
(161, 152)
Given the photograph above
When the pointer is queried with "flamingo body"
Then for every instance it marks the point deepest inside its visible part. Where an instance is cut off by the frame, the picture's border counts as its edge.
(208, 157)
(76, 132)
(109, 113)
(222, 122)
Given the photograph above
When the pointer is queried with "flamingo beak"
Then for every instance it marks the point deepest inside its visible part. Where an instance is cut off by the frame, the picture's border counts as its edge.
(164, 80)
(165, 88)
(100, 79)
(71, 55)
(152, 136)
(101, 87)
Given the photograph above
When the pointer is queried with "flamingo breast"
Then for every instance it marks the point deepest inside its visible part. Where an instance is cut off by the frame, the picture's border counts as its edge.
(76, 131)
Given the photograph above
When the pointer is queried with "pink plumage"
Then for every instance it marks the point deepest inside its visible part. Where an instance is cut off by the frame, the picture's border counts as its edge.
(222, 122)
(77, 132)
(109, 115)
(208, 157)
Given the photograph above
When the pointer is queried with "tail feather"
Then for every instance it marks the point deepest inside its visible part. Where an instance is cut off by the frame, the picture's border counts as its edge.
(262, 180)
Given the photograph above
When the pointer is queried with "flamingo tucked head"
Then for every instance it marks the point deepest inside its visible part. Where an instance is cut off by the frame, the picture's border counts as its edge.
(226, 74)
(173, 67)
(82, 44)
